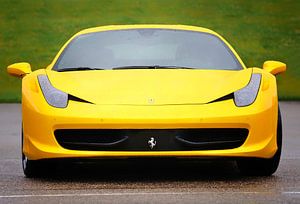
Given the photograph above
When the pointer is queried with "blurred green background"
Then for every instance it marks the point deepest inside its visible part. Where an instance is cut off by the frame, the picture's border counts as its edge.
(34, 30)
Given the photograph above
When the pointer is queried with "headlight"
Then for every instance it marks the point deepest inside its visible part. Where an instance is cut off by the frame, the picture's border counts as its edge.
(53, 96)
(247, 95)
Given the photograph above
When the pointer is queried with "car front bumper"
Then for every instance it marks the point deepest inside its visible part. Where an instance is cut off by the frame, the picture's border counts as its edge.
(40, 122)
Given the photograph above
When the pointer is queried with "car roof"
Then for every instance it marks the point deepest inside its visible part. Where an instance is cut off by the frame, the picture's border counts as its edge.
(145, 26)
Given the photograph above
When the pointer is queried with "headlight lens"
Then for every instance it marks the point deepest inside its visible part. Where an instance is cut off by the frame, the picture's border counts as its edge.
(53, 96)
(247, 95)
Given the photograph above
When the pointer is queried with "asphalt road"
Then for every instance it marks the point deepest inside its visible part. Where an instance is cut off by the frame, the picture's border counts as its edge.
(148, 182)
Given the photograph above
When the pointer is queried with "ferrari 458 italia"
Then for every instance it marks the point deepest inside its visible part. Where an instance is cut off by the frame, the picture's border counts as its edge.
(127, 91)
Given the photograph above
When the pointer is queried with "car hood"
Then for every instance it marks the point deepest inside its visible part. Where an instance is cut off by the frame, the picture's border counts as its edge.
(149, 87)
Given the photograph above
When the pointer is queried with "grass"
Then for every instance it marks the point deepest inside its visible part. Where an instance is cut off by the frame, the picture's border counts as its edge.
(34, 31)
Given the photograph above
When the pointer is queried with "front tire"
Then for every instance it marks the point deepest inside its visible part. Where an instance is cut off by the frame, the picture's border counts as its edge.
(263, 167)
(31, 168)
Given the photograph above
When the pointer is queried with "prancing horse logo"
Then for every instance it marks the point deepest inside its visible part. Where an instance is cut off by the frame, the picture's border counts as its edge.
(151, 143)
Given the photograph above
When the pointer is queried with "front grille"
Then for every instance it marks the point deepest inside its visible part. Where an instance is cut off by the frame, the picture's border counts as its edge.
(140, 139)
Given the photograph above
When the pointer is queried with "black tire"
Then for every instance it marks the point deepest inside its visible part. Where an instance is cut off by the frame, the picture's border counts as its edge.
(263, 167)
(31, 168)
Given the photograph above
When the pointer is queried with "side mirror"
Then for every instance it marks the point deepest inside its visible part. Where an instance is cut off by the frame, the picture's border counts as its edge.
(274, 67)
(19, 69)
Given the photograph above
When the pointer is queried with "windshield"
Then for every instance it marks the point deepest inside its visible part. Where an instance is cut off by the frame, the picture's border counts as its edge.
(142, 48)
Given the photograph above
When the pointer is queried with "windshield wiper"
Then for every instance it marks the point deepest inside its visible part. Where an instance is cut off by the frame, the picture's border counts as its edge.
(134, 67)
(67, 69)
(151, 67)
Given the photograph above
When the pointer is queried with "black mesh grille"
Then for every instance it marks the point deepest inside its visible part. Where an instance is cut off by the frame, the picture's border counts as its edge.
(138, 139)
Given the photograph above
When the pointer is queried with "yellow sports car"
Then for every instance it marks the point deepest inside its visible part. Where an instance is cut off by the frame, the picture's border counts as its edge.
(150, 91)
